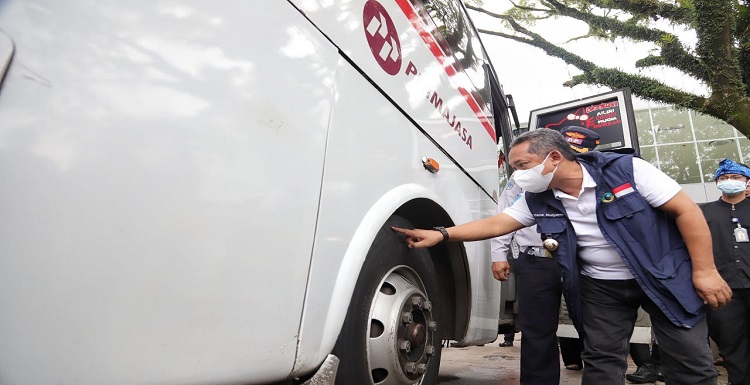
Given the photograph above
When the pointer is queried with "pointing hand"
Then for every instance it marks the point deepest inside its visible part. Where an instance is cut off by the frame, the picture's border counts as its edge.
(418, 238)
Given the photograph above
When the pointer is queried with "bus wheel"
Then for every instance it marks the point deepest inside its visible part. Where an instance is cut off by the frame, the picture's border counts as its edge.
(390, 335)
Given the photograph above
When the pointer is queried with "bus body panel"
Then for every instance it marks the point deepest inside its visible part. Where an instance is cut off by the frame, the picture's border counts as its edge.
(161, 169)
(189, 190)
(390, 176)
(426, 84)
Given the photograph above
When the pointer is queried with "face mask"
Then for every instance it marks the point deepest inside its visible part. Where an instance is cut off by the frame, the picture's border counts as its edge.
(532, 180)
(731, 187)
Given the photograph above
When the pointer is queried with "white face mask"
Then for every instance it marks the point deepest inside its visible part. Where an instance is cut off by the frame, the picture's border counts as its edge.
(532, 180)
(732, 187)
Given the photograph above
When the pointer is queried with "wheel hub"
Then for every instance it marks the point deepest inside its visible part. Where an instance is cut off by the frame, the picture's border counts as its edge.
(401, 343)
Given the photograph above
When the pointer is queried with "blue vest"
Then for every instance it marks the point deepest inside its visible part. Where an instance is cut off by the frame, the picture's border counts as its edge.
(647, 240)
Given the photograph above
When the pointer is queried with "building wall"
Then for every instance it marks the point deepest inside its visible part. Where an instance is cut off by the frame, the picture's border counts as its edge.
(688, 146)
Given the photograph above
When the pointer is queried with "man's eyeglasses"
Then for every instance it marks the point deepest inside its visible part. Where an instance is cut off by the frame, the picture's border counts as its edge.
(732, 177)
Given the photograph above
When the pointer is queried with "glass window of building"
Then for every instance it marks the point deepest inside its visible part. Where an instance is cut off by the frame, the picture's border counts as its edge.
(744, 144)
(710, 128)
(687, 145)
(643, 122)
(649, 154)
(679, 162)
(671, 125)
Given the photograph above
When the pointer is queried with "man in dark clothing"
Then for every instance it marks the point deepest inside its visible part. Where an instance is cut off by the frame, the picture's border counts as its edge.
(727, 219)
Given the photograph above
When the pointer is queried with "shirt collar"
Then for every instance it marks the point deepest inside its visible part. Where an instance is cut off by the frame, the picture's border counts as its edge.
(588, 182)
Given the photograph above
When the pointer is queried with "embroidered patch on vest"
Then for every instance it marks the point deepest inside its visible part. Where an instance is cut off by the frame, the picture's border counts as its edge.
(622, 190)
(608, 197)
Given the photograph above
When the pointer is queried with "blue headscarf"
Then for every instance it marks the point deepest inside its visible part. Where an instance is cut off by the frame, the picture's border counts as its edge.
(726, 166)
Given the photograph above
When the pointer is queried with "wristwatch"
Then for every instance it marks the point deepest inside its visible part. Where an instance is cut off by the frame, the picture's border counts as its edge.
(443, 231)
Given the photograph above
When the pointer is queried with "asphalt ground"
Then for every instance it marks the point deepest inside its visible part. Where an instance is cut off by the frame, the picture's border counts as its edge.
(494, 365)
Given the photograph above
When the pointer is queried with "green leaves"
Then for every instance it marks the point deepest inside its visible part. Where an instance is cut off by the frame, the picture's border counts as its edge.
(721, 60)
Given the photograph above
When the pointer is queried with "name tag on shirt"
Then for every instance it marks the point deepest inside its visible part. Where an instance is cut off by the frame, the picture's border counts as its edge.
(547, 215)
(740, 235)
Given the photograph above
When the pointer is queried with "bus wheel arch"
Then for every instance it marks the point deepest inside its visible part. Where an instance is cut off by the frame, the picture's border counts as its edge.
(451, 267)
(448, 277)
(390, 335)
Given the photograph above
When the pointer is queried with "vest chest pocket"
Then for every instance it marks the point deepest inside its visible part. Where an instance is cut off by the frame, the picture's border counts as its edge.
(624, 207)
(553, 229)
(551, 225)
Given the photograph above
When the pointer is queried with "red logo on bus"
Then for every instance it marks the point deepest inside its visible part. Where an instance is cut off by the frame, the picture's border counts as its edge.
(382, 37)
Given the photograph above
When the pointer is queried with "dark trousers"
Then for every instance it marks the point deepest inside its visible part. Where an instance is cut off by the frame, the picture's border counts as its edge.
(645, 354)
(640, 353)
(539, 292)
(570, 350)
(609, 312)
(730, 329)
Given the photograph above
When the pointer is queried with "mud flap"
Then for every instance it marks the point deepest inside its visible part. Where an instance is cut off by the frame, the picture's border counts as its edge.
(326, 374)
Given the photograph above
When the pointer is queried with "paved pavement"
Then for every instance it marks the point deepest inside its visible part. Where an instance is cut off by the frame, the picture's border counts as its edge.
(493, 365)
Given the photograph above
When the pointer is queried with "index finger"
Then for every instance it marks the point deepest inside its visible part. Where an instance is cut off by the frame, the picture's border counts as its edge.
(402, 231)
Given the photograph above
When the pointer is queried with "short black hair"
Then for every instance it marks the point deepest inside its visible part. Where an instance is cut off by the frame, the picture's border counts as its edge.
(544, 140)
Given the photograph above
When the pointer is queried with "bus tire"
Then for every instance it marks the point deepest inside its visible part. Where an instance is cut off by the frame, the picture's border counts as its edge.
(390, 336)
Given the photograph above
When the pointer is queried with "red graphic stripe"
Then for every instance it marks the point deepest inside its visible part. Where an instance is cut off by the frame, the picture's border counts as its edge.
(620, 188)
(434, 47)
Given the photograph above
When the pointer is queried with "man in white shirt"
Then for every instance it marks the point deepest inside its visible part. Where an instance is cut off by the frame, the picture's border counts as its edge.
(625, 236)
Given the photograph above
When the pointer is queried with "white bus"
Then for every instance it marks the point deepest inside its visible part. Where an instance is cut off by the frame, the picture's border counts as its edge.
(199, 192)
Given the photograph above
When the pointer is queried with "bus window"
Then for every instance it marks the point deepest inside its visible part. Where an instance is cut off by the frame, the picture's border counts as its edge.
(460, 42)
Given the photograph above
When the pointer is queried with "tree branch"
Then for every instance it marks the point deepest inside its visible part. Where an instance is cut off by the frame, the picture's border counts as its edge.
(613, 78)
(551, 49)
(486, 12)
(650, 61)
(620, 28)
(524, 7)
(644, 87)
(722, 57)
(715, 25)
(507, 36)
(673, 53)
(743, 38)
(653, 9)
